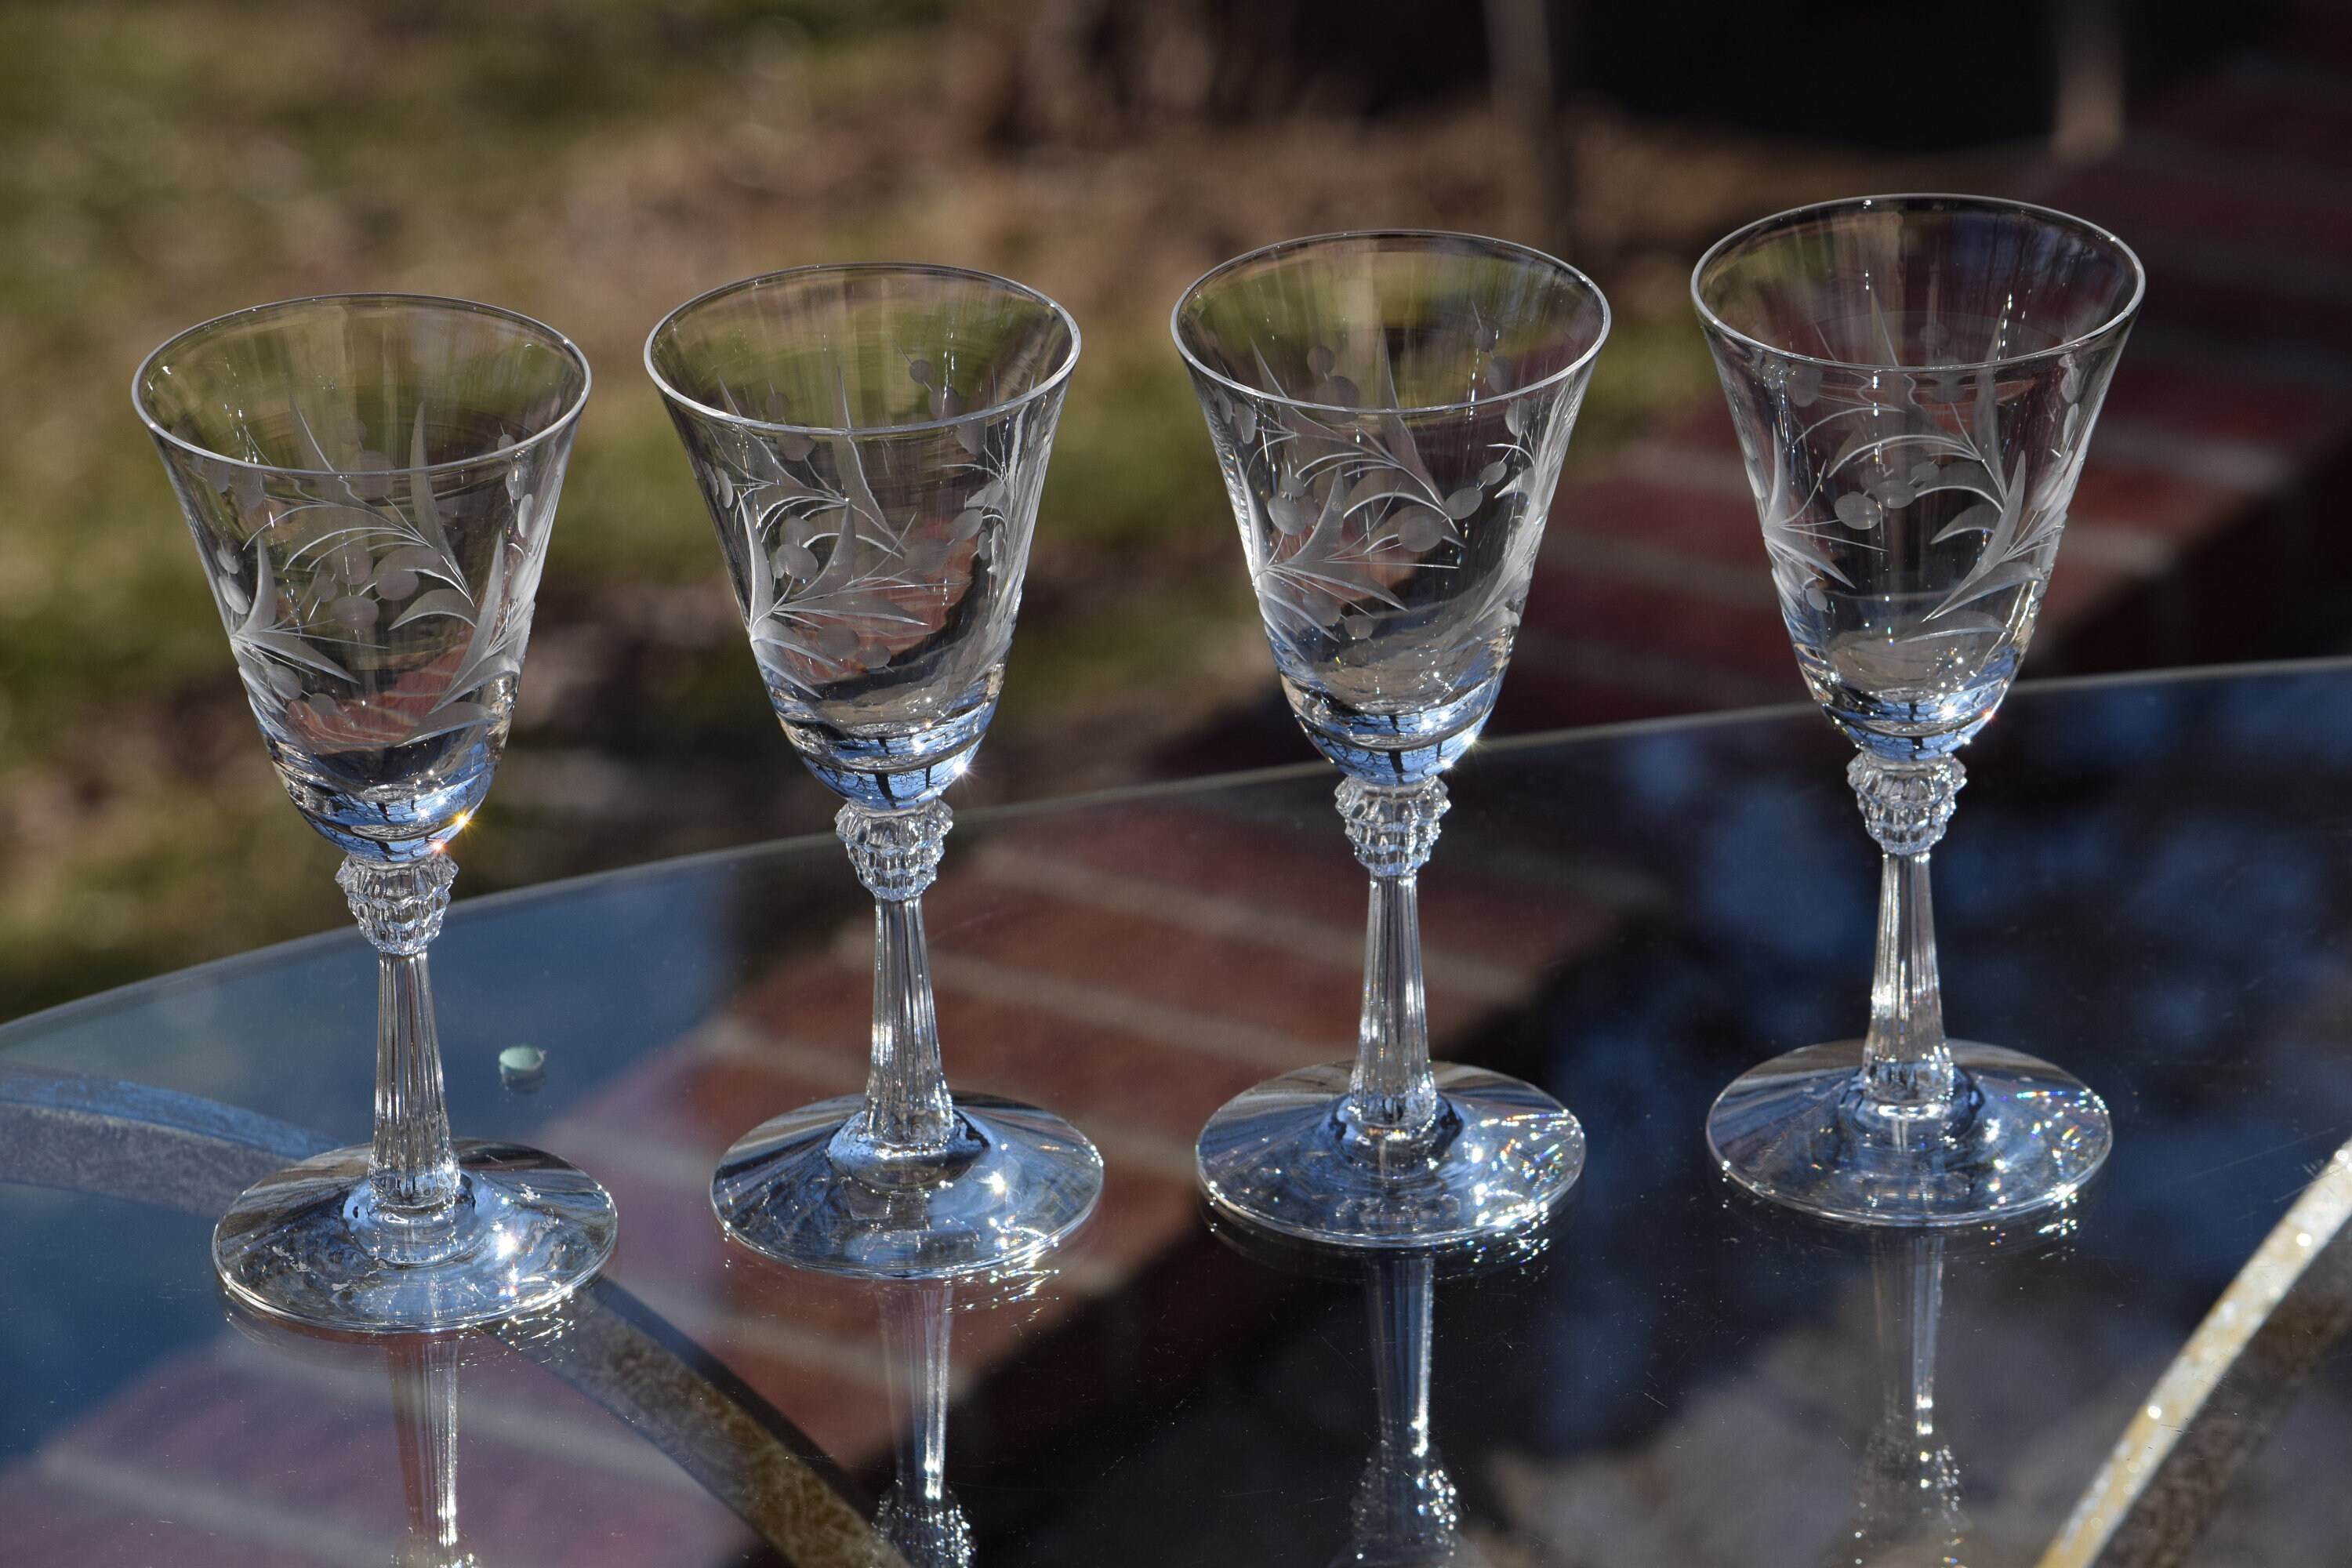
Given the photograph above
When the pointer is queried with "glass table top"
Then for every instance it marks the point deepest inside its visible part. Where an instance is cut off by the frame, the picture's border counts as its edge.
(2147, 881)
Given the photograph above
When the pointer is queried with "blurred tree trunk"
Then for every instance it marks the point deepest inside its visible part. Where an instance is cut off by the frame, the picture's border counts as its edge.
(1527, 98)
(2087, 122)
(1080, 71)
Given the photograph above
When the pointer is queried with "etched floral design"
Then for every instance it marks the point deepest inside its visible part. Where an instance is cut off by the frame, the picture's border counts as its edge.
(836, 584)
(1354, 506)
(1901, 437)
(341, 564)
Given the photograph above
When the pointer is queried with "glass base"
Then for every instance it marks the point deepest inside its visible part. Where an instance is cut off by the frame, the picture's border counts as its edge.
(1021, 1180)
(302, 1245)
(1505, 1153)
(2019, 1135)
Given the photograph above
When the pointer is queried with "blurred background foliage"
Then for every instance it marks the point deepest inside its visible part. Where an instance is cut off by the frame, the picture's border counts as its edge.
(594, 162)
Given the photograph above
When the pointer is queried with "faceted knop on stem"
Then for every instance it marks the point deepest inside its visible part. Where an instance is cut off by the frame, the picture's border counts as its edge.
(399, 906)
(1394, 830)
(897, 853)
(1905, 806)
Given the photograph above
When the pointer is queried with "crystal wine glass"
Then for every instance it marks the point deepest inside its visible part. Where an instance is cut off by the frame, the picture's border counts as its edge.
(870, 441)
(1389, 411)
(1914, 380)
(371, 480)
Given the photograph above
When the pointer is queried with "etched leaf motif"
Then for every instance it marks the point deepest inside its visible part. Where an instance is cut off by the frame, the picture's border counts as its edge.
(1999, 580)
(1980, 518)
(450, 717)
(439, 602)
(832, 588)
(420, 499)
(1797, 553)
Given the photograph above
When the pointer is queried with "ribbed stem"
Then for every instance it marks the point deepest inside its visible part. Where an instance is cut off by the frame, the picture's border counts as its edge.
(919, 1516)
(908, 1131)
(907, 1104)
(412, 1177)
(1392, 1105)
(1906, 1060)
(1405, 1508)
(425, 1418)
(1391, 1086)
(413, 1170)
(1905, 1054)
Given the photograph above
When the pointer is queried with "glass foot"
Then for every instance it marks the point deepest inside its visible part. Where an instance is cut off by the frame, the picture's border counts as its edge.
(2021, 1135)
(1505, 1154)
(1022, 1181)
(528, 1231)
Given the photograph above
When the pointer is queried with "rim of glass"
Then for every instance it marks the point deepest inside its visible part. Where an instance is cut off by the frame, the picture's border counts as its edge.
(901, 269)
(1500, 246)
(440, 301)
(1905, 201)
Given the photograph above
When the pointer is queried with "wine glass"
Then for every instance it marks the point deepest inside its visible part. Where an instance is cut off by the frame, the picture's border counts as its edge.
(1389, 411)
(371, 480)
(1914, 380)
(870, 441)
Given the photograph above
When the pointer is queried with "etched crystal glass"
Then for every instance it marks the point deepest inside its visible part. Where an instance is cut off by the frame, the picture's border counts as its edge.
(1914, 380)
(870, 441)
(1390, 411)
(371, 480)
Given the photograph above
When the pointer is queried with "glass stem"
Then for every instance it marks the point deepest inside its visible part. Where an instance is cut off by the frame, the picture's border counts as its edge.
(1906, 1060)
(907, 1103)
(1405, 1508)
(907, 1129)
(920, 1516)
(1392, 1103)
(412, 1176)
(424, 1415)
